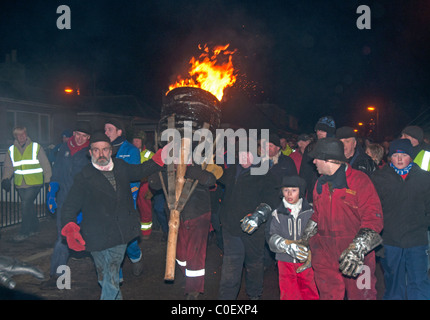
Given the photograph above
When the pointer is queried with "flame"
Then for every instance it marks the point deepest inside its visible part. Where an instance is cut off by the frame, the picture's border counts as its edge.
(208, 73)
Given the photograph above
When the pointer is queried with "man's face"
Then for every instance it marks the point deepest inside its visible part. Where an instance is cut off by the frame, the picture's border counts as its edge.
(137, 143)
(323, 167)
(101, 153)
(112, 132)
(283, 142)
(401, 160)
(349, 146)
(245, 159)
(303, 144)
(21, 136)
(321, 134)
(273, 150)
(413, 141)
(81, 137)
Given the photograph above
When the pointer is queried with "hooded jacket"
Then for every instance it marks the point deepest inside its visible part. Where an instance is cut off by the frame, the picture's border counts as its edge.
(284, 224)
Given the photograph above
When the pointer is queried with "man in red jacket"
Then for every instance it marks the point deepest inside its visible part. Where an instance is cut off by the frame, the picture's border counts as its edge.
(344, 228)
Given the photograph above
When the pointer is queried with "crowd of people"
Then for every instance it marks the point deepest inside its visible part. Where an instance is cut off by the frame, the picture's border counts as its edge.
(330, 207)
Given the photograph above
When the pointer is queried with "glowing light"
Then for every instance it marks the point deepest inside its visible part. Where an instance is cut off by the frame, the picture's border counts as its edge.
(210, 71)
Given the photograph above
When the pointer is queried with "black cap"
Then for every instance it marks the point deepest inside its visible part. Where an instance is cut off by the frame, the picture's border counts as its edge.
(294, 181)
(345, 133)
(83, 126)
(304, 137)
(117, 123)
(274, 138)
(328, 149)
(401, 146)
(415, 132)
(99, 136)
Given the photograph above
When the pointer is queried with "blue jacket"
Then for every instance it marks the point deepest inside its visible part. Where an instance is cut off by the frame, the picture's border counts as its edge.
(130, 154)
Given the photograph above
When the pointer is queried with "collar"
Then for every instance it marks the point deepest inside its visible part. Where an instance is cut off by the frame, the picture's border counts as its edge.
(335, 181)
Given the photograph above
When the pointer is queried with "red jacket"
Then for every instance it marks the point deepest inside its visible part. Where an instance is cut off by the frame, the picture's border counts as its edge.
(342, 212)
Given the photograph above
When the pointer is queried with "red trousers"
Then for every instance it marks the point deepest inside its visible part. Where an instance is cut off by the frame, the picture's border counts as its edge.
(191, 251)
(145, 209)
(296, 286)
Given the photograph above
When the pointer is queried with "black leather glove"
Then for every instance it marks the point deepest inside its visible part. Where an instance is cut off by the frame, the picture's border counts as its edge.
(10, 267)
(5, 184)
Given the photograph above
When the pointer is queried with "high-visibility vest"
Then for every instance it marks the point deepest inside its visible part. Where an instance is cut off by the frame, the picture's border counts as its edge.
(145, 155)
(26, 166)
(423, 160)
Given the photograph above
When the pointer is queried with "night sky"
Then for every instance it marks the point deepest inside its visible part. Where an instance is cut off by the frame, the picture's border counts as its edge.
(306, 56)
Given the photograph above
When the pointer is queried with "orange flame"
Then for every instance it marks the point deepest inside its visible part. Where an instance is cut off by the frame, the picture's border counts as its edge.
(206, 74)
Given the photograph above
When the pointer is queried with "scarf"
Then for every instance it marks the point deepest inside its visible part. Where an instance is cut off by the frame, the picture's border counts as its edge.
(294, 208)
(403, 171)
(108, 167)
(74, 147)
(335, 181)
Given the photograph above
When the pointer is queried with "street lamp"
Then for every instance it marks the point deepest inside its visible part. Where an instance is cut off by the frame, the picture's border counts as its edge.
(374, 109)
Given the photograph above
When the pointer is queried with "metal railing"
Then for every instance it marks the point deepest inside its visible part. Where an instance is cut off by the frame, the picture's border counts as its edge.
(10, 205)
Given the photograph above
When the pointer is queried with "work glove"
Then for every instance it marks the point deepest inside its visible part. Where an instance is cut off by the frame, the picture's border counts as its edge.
(73, 237)
(50, 198)
(311, 229)
(5, 184)
(295, 249)
(252, 221)
(352, 259)
(10, 267)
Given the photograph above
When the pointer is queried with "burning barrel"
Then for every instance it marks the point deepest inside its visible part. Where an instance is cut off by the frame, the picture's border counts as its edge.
(190, 104)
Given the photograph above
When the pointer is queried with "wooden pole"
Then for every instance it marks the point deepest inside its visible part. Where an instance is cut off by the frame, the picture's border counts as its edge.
(174, 213)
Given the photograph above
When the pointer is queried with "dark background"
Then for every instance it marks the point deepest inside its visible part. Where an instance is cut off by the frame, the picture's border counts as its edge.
(306, 56)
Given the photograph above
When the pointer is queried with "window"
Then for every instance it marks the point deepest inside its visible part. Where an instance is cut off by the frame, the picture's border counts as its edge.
(37, 124)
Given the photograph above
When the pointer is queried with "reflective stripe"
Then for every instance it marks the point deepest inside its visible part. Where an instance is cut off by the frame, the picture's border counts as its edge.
(194, 273)
(29, 171)
(34, 159)
(191, 273)
(26, 166)
(145, 226)
(181, 263)
(147, 154)
(425, 162)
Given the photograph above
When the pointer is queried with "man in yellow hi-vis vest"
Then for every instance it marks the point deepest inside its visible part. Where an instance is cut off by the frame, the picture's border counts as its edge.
(28, 164)
(415, 134)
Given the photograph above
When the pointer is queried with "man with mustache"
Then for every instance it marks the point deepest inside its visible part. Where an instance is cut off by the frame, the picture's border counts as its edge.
(102, 192)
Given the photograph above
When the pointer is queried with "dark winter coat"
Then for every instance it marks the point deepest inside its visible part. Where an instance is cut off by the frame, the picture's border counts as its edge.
(308, 172)
(284, 167)
(361, 161)
(109, 216)
(243, 193)
(406, 206)
(199, 202)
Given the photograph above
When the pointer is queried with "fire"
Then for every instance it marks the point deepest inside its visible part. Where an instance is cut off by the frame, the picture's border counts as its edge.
(208, 73)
